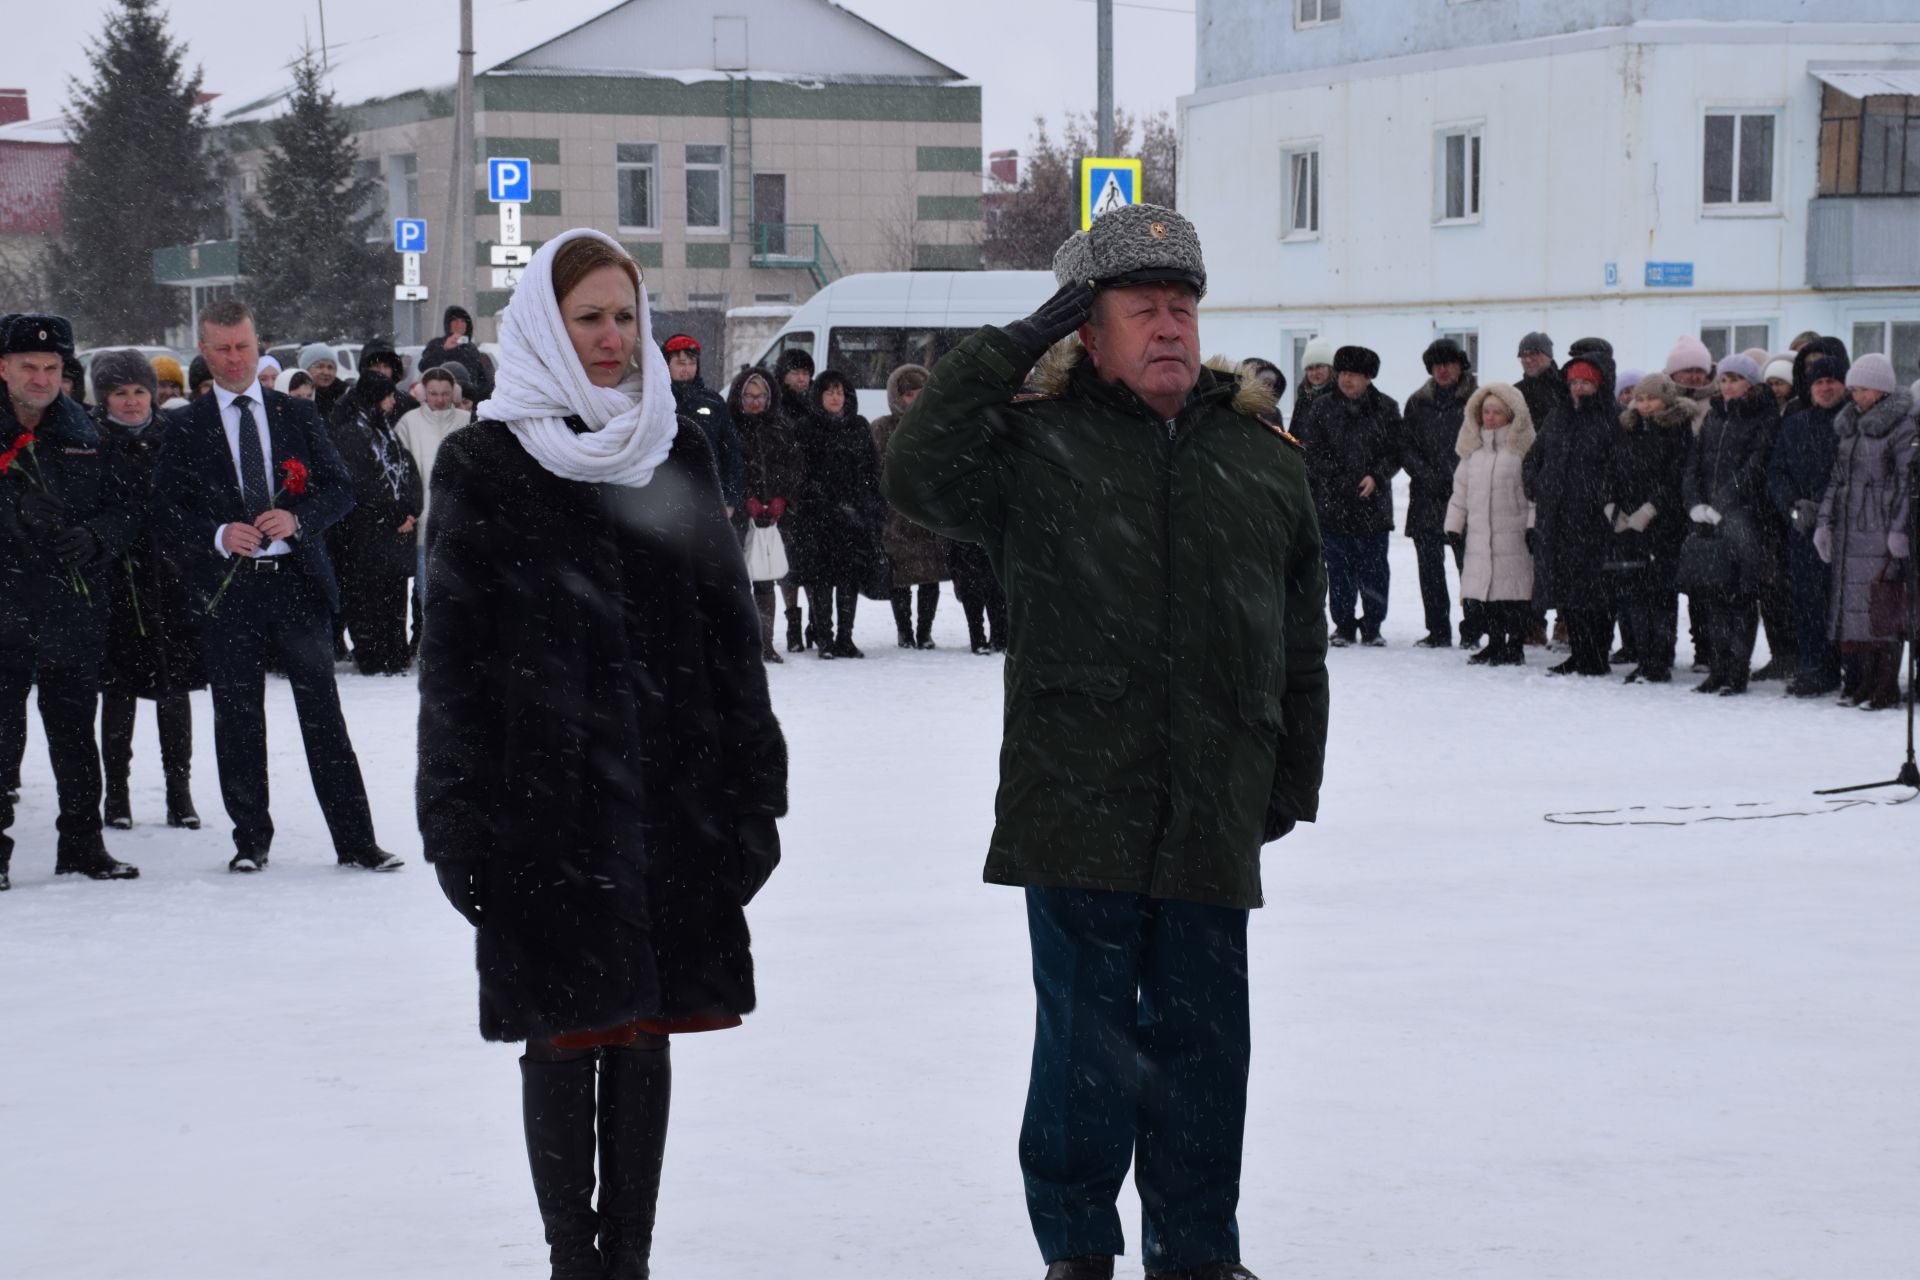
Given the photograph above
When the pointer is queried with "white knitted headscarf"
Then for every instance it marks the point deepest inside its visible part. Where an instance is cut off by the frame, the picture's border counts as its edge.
(541, 382)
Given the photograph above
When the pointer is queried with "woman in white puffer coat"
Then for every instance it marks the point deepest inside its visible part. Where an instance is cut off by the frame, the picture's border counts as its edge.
(1490, 517)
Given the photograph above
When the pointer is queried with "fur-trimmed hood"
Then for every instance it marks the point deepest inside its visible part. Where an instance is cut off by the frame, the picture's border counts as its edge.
(1520, 433)
(1685, 414)
(1054, 372)
(895, 405)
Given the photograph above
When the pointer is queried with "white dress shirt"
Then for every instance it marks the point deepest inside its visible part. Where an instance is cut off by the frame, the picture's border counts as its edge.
(230, 419)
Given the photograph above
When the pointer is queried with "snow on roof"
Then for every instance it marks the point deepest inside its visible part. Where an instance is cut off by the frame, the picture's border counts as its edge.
(369, 59)
(50, 131)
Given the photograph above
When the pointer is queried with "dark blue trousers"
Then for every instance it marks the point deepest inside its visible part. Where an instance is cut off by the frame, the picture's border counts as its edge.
(280, 613)
(1357, 566)
(1811, 581)
(1140, 1055)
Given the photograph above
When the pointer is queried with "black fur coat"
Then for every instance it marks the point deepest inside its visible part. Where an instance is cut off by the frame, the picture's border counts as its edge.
(594, 724)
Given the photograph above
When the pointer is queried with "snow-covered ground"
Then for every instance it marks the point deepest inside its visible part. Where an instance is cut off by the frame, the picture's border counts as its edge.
(1486, 1046)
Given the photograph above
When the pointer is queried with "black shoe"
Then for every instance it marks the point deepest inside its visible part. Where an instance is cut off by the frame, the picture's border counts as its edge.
(844, 647)
(245, 863)
(1624, 655)
(1211, 1271)
(87, 856)
(982, 648)
(1482, 658)
(636, 1091)
(1566, 668)
(371, 859)
(6, 882)
(796, 642)
(1803, 686)
(1472, 642)
(180, 806)
(1656, 675)
(1506, 655)
(1093, 1266)
(925, 644)
(998, 644)
(557, 1108)
(1372, 640)
(1774, 670)
(1434, 642)
(1733, 690)
(904, 638)
(1712, 684)
(825, 652)
(1340, 638)
(117, 808)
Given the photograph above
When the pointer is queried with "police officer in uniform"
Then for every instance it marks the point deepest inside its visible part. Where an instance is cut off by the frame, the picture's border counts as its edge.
(1166, 716)
(64, 518)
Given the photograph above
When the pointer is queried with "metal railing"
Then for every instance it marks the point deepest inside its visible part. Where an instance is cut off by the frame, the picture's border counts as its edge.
(795, 245)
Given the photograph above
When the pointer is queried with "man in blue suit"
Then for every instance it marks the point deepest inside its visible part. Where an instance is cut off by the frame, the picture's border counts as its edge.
(258, 563)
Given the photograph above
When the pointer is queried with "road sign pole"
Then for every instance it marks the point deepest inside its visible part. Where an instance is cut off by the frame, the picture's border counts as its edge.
(1105, 100)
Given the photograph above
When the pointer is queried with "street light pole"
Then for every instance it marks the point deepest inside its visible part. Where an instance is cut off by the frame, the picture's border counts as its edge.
(1105, 107)
(455, 273)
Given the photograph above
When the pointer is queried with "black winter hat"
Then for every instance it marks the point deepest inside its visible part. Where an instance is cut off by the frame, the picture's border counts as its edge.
(790, 359)
(1536, 342)
(1829, 366)
(1590, 347)
(1356, 360)
(372, 388)
(1446, 351)
(115, 369)
(31, 332)
(380, 349)
(198, 371)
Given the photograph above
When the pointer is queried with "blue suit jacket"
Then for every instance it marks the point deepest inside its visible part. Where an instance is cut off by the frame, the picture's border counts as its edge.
(196, 490)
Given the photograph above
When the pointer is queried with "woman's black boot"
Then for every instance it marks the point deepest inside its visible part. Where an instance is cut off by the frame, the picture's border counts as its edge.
(843, 644)
(636, 1088)
(556, 1104)
(796, 643)
(902, 601)
(929, 603)
(117, 809)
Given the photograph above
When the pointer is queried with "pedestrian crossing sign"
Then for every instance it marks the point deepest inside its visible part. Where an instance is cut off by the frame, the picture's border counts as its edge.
(1106, 185)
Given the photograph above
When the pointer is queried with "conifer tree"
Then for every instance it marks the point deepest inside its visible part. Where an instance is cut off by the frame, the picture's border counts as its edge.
(140, 178)
(311, 270)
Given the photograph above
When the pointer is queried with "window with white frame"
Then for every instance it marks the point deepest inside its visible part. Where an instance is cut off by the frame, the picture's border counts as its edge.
(1722, 340)
(1456, 173)
(636, 180)
(706, 187)
(1314, 13)
(1300, 201)
(1898, 340)
(1468, 341)
(1737, 155)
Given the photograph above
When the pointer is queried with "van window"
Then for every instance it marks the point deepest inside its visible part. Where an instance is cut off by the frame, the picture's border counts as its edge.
(798, 340)
(868, 356)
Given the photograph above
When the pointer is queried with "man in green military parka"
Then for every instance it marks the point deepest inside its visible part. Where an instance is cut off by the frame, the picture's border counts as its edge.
(1166, 716)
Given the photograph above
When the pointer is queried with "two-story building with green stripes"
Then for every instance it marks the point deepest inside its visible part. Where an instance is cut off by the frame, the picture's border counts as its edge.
(747, 152)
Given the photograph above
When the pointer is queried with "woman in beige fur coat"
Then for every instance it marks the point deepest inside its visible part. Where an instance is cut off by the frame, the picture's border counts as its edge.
(1490, 517)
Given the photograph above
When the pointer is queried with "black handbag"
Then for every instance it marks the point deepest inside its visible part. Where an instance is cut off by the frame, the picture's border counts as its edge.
(1708, 565)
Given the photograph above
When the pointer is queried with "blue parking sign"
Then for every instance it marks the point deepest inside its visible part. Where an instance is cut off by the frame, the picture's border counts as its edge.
(509, 181)
(409, 235)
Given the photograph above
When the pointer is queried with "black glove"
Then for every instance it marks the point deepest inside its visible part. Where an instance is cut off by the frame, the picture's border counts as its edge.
(460, 881)
(759, 853)
(1275, 826)
(1057, 317)
(1458, 541)
(41, 511)
(75, 546)
(1533, 542)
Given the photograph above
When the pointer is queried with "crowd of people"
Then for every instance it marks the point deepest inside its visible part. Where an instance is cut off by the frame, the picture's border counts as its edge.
(1771, 491)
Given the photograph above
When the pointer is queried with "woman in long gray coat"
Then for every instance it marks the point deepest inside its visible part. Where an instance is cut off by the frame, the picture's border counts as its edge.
(1865, 521)
(916, 556)
(1490, 518)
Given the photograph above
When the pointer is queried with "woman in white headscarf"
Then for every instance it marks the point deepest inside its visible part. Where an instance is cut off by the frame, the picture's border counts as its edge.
(600, 768)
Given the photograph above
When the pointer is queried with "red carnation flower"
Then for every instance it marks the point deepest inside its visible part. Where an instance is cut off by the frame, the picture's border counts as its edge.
(293, 474)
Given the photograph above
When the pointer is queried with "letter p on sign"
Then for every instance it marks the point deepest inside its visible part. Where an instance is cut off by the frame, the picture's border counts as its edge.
(509, 181)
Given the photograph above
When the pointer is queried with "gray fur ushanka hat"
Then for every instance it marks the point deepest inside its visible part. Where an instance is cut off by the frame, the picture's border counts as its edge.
(1140, 244)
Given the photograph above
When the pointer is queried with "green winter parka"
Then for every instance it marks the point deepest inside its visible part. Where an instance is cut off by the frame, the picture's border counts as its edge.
(1166, 687)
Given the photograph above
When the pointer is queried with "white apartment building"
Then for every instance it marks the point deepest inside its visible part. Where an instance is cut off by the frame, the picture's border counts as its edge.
(1388, 171)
